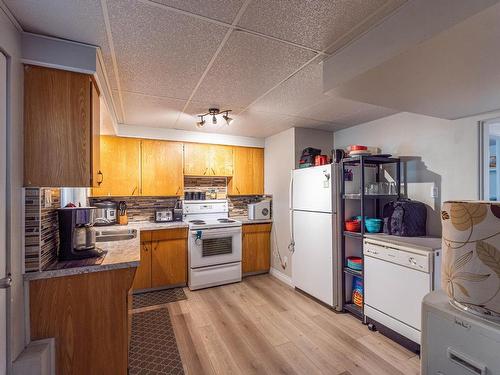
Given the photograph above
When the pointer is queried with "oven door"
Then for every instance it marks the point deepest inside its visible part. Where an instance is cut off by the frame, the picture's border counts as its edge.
(210, 247)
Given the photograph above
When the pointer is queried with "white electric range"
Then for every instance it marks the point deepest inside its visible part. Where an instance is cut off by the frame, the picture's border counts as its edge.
(214, 244)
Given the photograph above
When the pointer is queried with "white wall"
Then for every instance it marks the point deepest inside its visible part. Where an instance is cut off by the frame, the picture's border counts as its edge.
(312, 138)
(281, 153)
(438, 152)
(279, 160)
(10, 44)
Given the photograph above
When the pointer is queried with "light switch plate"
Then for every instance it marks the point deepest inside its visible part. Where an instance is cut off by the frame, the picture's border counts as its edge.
(47, 198)
(434, 191)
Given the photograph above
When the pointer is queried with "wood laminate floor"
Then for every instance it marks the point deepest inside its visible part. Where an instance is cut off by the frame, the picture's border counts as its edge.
(262, 326)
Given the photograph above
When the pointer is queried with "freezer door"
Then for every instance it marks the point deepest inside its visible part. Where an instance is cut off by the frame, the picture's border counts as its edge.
(312, 262)
(312, 189)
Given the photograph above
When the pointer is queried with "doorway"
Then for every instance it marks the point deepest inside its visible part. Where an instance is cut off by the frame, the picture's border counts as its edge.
(490, 160)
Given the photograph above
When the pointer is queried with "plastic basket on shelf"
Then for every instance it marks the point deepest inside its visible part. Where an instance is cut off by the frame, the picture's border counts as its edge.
(357, 291)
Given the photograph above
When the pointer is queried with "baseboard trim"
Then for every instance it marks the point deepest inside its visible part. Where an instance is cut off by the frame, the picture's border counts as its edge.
(281, 276)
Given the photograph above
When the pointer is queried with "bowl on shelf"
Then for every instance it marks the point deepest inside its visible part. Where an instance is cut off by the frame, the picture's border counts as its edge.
(353, 225)
(355, 263)
(373, 225)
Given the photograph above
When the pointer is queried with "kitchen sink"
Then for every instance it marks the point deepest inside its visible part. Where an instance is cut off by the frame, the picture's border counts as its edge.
(115, 235)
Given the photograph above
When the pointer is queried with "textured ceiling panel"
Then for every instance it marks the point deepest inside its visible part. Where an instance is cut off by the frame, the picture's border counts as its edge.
(302, 90)
(151, 111)
(222, 10)
(247, 67)
(313, 23)
(69, 19)
(160, 52)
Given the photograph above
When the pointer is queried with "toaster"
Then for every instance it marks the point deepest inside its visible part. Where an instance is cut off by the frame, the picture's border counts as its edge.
(260, 210)
(164, 215)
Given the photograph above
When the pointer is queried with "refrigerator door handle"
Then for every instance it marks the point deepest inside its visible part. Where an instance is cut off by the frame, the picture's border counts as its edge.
(291, 245)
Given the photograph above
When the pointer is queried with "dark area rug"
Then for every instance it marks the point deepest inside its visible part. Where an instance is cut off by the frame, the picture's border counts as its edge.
(158, 297)
(153, 348)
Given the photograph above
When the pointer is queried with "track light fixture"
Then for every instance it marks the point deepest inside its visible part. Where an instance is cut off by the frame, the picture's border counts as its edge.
(200, 123)
(228, 119)
(214, 112)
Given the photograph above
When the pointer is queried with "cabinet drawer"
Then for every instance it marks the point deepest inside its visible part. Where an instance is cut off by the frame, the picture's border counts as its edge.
(256, 228)
(215, 275)
(169, 234)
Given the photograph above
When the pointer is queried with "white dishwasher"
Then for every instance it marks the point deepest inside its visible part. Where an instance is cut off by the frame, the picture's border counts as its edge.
(397, 276)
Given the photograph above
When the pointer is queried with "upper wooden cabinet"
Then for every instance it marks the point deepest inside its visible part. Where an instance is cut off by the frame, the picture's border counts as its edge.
(161, 168)
(61, 126)
(248, 176)
(120, 166)
(207, 160)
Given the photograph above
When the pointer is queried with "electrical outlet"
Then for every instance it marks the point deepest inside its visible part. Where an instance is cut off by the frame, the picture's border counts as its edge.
(47, 198)
(434, 191)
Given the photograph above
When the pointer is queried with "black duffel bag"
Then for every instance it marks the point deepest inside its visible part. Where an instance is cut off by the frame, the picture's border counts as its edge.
(405, 218)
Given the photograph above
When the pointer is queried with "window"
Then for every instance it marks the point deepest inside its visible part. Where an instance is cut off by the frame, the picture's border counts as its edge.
(490, 156)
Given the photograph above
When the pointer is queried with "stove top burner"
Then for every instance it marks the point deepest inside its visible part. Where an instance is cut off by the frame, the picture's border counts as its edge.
(197, 222)
(225, 221)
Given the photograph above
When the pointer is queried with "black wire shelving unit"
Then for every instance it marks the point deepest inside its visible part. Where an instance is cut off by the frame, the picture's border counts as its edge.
(367, 205)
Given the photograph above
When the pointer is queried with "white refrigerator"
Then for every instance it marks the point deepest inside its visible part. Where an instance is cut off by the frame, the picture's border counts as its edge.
(316, 267)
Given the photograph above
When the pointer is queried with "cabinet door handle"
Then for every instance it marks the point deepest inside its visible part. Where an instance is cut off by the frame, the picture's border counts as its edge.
(238, 190)
(213, 171)
(145, 247)
(101, 175)
(178, 189)
(206, 170)
(133, 191)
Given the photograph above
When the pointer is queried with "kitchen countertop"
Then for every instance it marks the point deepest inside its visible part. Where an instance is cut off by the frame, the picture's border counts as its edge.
(120, 254)
(426, 243)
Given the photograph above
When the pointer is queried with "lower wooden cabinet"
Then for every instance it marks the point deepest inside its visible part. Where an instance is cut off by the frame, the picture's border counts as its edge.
(163, 259)
(169, 258)
(142, 279)
(87, 314)
(256, 248)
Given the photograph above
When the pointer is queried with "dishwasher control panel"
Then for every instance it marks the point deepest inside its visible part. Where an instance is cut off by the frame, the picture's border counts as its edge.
(404, 258)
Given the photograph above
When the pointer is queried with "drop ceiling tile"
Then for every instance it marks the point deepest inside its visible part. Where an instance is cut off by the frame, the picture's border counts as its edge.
(247, 67)
(302, 90)
(152, 111)
(221, 10)
(160, 52)
(313, 23)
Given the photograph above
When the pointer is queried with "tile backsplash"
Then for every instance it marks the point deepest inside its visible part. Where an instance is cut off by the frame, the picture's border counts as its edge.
(206, 184)
(139, 208)
(41, 227)
(238, 204)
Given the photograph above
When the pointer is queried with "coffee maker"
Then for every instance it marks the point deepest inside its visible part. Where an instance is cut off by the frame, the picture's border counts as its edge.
(76, 233)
